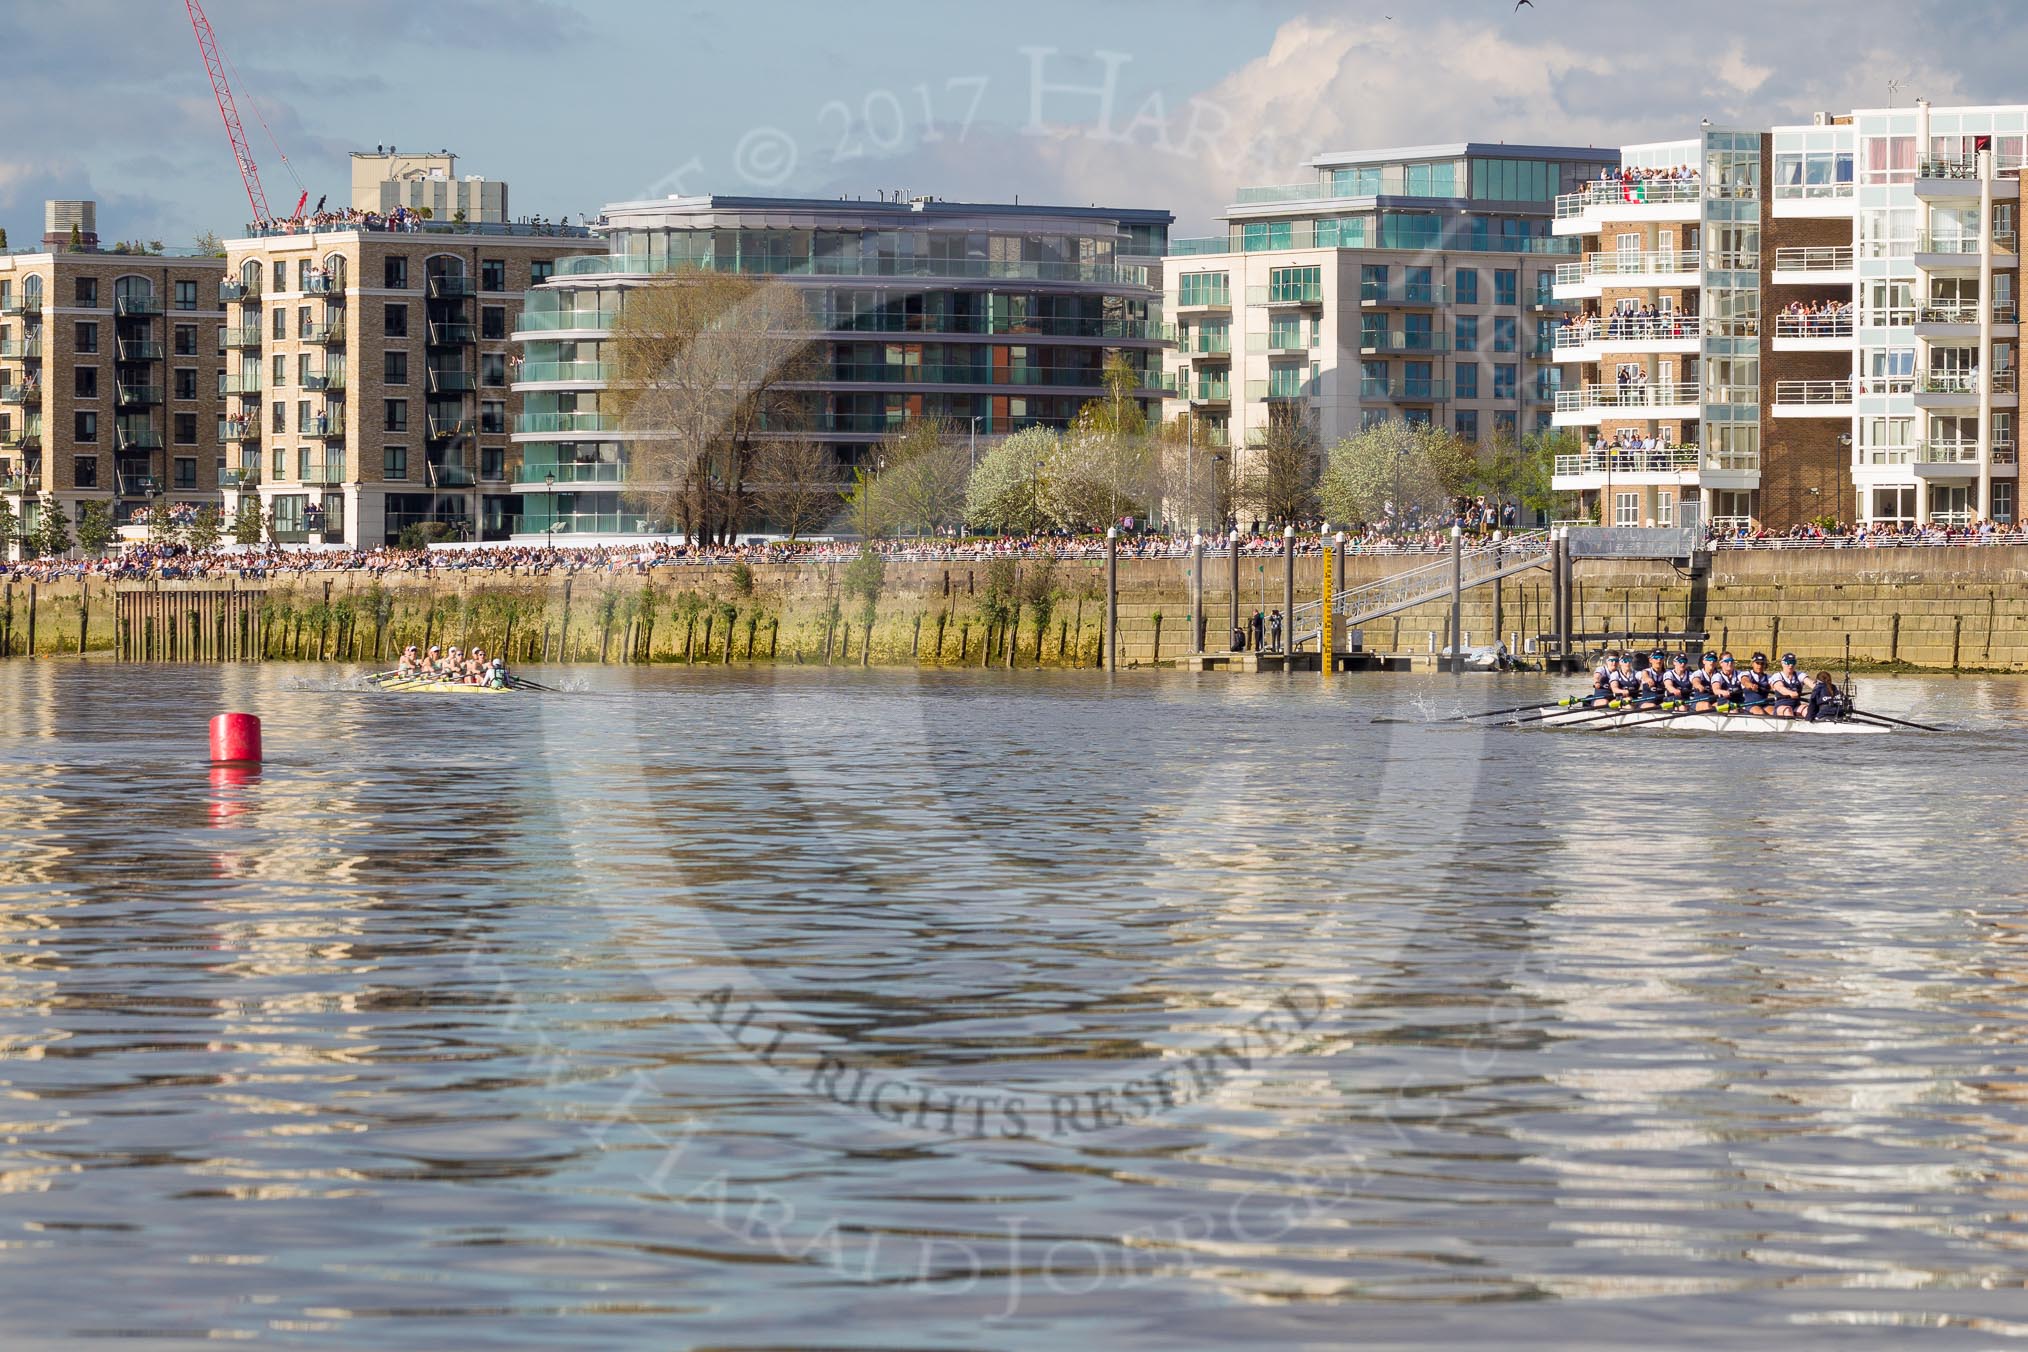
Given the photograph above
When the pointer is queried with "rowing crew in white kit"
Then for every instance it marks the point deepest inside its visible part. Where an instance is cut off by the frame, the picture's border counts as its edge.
(1715, 685)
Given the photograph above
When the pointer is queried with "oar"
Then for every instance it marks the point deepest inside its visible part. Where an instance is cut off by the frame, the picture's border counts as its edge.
(1565, 703)
(520, 684)
(1609, 707)
(1870, 717)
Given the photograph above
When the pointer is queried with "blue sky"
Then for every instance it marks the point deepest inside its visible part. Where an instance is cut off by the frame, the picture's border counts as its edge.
(1128, 102)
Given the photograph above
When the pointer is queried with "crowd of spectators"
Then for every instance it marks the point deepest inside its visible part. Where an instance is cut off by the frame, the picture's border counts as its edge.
(1630, 322)
(1871, 535)
(1814, 319)
(400, 220)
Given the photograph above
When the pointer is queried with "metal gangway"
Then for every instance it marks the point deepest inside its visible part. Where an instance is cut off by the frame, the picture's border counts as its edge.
(1355, 606)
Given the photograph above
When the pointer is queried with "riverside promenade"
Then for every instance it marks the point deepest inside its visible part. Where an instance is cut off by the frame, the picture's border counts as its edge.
(1926, 608)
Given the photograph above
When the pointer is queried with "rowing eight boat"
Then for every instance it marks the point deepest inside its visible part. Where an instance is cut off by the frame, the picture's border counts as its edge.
(1667, 722)
(421, 687)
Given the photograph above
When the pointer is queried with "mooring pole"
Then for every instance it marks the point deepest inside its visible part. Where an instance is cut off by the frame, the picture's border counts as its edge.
(1499, 618)
(1196, 592)
(1112, 598)
(1457, 600)
(1232, 624)
(1288, 589)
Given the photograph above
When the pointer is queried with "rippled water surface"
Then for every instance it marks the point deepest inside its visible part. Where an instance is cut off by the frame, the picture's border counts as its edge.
(1012, 1010)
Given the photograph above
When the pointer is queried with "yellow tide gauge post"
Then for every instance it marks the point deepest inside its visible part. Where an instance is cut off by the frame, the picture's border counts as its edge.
(1324, 648)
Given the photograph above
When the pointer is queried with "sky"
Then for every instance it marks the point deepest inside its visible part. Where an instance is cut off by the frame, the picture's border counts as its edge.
(1145, 103)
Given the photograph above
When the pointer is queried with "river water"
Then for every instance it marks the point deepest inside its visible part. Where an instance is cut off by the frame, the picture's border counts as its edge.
(1015, 1010)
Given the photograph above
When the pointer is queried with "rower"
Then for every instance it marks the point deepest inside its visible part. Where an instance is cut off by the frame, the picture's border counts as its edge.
(1624, 683)
(1677, 681)
(475, 667)
(1725, 685)
(453, 668)
(1701, 695)
(411, 662)
(496, 675)
(1826, 701)
(1787, 688)
(433, 664)
(1648, 690)
(1753, 687)
(1602, 681)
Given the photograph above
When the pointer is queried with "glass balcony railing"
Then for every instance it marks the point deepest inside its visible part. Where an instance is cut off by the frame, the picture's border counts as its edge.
(136, 307)
(137, 350)
(1947, 452)
(1931, 243)
(1962, 382)
(554, 321)
(1963, 312)
(21, 349)
(239, 479)
(448, 429)
(324, 284)
(1671, 395)
(239, 293)
(527, 423)
(327, 472)
(963, 269)
(1396, 340)
(239, 429)
(450, 474)
(1286, 293)
(450, 334)
(137, 439)
(1404, 390)
(244, 382)
(137, 485)
(243, 336)
(1312, 191)
(137, 396)
(1401, 293)
(453, 288)
(330, 333)
(541, 372)
(451, 382)
(1212, 392)
(28, 436)
(331, 424)
(330, 382)
(28, 396)
(1642, 192)
(21, 305)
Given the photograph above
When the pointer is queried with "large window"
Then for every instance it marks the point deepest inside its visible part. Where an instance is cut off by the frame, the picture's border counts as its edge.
(1257, 235)
(1466, 282)
(1361, 182)
(394, 462)
(1204, 288)
(1504, 286)
(1467, 425)
(1430, 180)
(492, 274)
(1468, 333)
(1466, 374)
(1514, 180)
(1503, 380)
(1296, 284)
(1503, 333)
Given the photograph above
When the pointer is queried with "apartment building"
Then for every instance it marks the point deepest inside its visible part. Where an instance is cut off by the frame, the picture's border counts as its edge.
(384, 178)
(1816, 322)
(368, 379)
(1411, 283)
(993, 317)
(110, 366)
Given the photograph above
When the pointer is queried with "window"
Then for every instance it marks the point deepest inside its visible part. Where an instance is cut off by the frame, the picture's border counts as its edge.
(1545, 288)
(302, 415)
(1503, 380)
(492, 417)
(492, 463)
(1361, 182)
(186, 295)
(541, 271)
(84, 471)
(185, 470)
(492, 274)
(1418, 285)
(87, 336)
(1503, 423)
(492, 368)
(1204, 288)
(394, 462)
(183, 429)
(303, 371)
(186, 339)
(85, 425)
(397, 415)
(1503, 333)
(304, 326)
(280, 270)
(1372, 281)
(280, 327)
(1514, 180)
(280, 421)
(395, 368)
(85, 383)
(1504, 283)
(1466, 374)
(2003, 501)
(186, 382)
(1665, 507)
(1467, 282)
(1468, 333)
(1299, 284)
(88, 293)
(394, 272)
(1468, 424)
(281, 461)
(493, 322)
(302, 274)
(396, 324)
(1431, 180)
(281, 371)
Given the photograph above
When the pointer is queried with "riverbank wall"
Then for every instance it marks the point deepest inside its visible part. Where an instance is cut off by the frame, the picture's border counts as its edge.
(1930, 609)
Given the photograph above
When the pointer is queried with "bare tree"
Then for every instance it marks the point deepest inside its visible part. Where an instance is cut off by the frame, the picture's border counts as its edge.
(796, 484)
(1278, 471)
(701, 361)
(1198, 482)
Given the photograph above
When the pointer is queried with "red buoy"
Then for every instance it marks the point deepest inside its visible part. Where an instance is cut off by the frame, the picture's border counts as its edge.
(235, 740)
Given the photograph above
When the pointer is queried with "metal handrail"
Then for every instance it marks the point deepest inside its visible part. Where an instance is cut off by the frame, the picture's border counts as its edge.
(1813, 391)
(1415, 586)
(1814, 258)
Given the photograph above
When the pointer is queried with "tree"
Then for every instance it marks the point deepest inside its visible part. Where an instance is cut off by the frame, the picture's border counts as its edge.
(1107, 466)
(1426, 466)
(1521, 473)
(922, 471)
(246, 520)
(1198, 482)
(210, 245)
(1278, 472)
(864, 578)
(94, 527)
(54, 533)
(10, 523)
(162, 528)
(1004, 493)
(76, 238)
(204, 530)
(699, 363)
(796, 485)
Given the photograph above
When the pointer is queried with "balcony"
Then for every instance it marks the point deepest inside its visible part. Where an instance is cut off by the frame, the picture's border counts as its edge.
(23, 481)
(243, 336)
(1393, 341)
(330, 382)
(1813, 399)
(528, 424)
(1404, 390)
(27, 437)
(1961, 319)
(327, 473)
(27, 396)
(595, 321)
(327, 425)
(330, 333)
(137, 350)
(449, 475)
(1957, 178)
(137, 396)
(1813, 332)
(1582, 212)
(1588, 340)
(1202, 300)
(239, 293)
(239, 480)
(456, 382)
(1282, 294)
(246, 382)
(136, 307)
(1621, 462)
(452, 334)
(596, 372)
(1960, 389)
(1405, 295)
(1211, 392)
(1826, 265)
(137, 439)
(1959, 253)
(1594, 404)
(452, 288)
(1594, 272)
(239, 429)
(137, 485)
(325, 285)
(22, 305)
(445, 429)
(21, 349)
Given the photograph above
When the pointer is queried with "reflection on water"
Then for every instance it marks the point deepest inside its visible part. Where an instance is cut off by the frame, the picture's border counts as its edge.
(1207, 1013)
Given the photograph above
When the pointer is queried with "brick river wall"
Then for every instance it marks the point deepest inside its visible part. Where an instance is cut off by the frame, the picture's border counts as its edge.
(1937, 609)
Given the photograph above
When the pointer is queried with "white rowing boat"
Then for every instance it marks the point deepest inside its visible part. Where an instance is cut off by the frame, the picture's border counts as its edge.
(1672, 722)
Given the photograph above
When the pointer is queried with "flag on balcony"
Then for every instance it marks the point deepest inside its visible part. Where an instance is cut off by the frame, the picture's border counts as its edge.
(1634, 190)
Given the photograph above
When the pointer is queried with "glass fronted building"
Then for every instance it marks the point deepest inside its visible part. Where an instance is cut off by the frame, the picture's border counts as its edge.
(1411, 283)
(990, 317)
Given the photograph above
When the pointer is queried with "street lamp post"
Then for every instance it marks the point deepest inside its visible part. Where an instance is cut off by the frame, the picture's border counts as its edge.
(549, 522)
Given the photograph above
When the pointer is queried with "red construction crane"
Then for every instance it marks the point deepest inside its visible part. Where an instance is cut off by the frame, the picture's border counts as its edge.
(228, 112)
